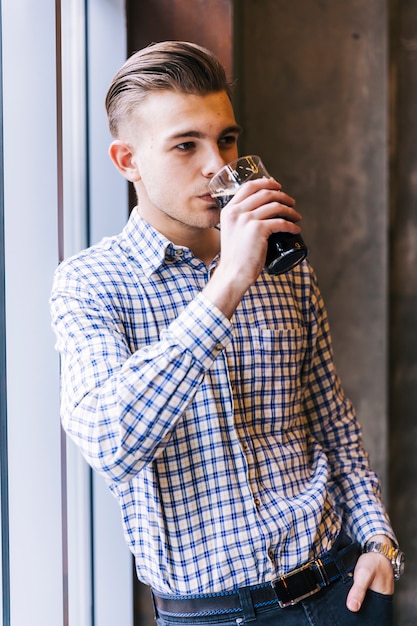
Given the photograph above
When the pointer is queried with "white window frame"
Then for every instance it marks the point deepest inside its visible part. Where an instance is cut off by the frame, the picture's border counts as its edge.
(97, 588)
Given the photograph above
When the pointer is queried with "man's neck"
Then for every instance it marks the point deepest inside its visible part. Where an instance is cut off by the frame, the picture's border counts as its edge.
(203, 243)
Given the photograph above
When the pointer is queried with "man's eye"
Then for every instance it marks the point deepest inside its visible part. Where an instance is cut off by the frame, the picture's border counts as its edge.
(228, 140)
(187, 145)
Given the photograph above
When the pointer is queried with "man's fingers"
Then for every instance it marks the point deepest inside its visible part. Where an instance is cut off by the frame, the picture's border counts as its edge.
(355, 598)
(372, 571)
(363, 577)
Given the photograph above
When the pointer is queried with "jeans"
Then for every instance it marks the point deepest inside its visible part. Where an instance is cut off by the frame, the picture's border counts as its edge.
(326, 608)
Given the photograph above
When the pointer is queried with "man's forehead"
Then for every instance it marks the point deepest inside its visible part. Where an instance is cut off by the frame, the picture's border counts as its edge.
(171, 114)
(174, 104)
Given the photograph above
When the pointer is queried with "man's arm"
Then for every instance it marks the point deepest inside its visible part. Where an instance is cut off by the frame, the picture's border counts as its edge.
(119, 406)
(354, 486)
(259, 209)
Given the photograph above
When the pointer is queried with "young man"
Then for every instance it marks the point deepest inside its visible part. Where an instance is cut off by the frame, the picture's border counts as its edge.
(203, 389)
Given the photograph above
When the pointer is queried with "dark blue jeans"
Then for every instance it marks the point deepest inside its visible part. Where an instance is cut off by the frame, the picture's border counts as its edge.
(326, 608)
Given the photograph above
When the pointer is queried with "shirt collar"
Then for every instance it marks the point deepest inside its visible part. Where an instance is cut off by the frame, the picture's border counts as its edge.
(147, 246)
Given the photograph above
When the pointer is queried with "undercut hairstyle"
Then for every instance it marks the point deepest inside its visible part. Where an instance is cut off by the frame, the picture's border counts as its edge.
(169, 65)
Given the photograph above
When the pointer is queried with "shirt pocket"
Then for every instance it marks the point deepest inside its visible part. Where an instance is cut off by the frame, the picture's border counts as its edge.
(268, 375)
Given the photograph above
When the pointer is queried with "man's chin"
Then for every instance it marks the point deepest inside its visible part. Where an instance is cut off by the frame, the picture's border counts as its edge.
(214, 218)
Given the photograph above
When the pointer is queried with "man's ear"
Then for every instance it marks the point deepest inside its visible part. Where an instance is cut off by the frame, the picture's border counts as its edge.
(122, 156)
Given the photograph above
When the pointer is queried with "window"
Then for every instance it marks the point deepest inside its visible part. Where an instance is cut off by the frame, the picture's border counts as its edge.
(56, 518)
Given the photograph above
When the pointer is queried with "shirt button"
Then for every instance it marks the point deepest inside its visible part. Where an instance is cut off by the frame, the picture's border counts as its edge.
(271, 554)
(219, 347)
(257, 502)
(245, 445)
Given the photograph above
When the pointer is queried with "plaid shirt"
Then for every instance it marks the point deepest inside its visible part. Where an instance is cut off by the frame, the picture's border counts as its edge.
(230, 445)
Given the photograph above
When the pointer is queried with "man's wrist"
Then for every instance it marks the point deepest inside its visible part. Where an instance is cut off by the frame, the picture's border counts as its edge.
(224, 294)
(383, 545)
(381, 539)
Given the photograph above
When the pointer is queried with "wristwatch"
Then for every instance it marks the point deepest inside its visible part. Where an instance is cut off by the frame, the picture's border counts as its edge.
(392, 554)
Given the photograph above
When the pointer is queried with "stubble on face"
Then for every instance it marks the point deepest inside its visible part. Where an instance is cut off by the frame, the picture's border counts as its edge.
(172, 187)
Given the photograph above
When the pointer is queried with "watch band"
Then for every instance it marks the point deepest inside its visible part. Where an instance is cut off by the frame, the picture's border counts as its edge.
(394, 555)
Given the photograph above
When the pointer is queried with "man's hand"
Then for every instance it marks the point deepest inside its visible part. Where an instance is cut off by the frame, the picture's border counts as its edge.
(258, 209)
(372, 571)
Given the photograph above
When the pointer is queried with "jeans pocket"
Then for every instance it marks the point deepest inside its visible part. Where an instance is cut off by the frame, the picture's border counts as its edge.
(376, 610)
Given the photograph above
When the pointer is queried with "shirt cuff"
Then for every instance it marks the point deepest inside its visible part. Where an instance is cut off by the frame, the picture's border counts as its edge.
(376, 527)
(202, 329)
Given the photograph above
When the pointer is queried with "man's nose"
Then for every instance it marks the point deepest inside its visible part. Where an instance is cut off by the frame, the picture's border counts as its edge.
(214, 162)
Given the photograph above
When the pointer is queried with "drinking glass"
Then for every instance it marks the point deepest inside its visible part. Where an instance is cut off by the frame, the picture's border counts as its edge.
(285, 250)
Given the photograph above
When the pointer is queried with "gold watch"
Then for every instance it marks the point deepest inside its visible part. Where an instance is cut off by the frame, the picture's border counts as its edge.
(394, 555)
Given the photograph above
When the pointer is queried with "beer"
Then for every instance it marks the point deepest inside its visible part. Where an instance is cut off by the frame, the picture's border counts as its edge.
(285, 250)
(222, 198)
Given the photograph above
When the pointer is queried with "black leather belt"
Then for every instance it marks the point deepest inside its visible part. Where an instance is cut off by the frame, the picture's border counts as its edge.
(308, 579)
(284, 591)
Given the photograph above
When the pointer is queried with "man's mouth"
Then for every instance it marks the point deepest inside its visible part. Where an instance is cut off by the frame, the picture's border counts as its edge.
(208, 198)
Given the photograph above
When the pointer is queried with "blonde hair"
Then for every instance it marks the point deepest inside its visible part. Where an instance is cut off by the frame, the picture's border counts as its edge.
(169, 65)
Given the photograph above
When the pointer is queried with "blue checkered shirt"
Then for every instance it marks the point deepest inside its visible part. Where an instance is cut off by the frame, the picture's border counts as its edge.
(230, 445)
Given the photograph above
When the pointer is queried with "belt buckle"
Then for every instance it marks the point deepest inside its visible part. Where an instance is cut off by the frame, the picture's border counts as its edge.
(281, 585)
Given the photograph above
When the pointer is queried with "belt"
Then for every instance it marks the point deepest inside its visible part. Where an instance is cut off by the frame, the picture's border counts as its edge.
(285, 591)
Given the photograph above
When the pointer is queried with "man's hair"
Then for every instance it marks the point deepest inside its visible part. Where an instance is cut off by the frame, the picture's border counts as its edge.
(169, 65)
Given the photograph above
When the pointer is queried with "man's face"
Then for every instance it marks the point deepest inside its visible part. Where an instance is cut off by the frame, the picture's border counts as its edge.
(179, 142)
